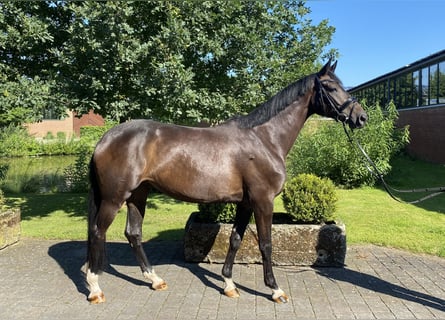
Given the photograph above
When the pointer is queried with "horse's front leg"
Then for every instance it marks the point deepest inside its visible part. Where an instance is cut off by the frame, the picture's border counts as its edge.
(243, 214)
(263, 217)
(133, 232)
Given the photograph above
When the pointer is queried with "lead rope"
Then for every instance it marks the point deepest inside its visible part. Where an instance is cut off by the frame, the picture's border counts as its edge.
(372, 168)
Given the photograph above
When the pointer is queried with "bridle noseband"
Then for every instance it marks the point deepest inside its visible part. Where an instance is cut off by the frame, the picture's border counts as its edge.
(337, 107)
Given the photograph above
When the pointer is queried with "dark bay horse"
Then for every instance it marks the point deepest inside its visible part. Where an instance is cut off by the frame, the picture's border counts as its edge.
(241, 161)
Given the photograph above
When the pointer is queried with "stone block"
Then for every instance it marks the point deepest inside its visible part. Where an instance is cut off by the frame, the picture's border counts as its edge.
(9, 227)
(293, 244)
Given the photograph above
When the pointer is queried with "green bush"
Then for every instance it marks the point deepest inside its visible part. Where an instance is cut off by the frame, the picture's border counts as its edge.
(76, 175)
(326, 152)
(216, 212)
(16, 142)
(309, 199)
(3, 172)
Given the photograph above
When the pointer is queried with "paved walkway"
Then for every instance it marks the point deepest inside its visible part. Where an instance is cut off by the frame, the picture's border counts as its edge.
(42, 280)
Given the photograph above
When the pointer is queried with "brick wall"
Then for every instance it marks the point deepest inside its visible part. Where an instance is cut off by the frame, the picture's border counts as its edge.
(427, 133)
(41, 129)
(70, 125)
(90, 119)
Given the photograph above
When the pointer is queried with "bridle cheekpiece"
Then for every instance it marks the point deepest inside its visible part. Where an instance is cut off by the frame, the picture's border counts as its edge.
(334, 105)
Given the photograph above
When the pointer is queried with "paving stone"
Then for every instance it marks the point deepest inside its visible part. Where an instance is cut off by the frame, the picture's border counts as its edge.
(41, 279)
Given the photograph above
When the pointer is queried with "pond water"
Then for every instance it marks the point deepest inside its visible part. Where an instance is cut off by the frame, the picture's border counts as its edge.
(35, 174)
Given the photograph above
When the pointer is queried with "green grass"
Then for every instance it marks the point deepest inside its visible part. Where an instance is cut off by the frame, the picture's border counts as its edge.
(64, 216)
(370, 215)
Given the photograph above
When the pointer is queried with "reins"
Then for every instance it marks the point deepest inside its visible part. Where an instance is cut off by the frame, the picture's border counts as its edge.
(372, 168)
(369, 164)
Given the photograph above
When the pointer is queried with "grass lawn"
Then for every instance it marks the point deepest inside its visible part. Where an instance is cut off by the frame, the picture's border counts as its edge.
(370, 215)
(64, 216)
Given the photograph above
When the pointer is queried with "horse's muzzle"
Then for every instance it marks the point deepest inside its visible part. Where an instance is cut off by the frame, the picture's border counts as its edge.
(361, 120)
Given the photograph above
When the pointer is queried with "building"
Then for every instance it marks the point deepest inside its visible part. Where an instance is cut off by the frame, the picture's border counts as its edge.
(418, 91)
(68, 126)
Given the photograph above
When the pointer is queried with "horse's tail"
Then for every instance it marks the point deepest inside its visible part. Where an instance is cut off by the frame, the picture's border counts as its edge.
(96, 247)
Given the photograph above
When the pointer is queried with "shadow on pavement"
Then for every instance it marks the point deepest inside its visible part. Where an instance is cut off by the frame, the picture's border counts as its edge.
(375, 284)
(71, 256)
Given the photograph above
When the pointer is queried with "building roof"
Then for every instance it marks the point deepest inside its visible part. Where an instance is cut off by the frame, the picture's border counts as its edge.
(438, 56)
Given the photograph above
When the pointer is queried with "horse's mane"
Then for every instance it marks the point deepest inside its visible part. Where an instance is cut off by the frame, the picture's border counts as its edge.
(276, 104)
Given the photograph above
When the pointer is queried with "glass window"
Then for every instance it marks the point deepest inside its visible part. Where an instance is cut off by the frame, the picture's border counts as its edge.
(433, 84)
(409, 90)
(441, 86)
(49, 114)
(392, 96)
(399, 93)
(424, 83)
(416, 88)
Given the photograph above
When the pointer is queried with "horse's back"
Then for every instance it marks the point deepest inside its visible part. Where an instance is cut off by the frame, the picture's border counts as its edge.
(189, 163)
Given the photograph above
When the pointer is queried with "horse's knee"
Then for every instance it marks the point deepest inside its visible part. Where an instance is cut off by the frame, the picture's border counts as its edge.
(235, 240)
(133, 237)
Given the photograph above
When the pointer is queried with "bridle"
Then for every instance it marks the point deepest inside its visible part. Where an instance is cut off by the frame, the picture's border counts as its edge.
(334, 105)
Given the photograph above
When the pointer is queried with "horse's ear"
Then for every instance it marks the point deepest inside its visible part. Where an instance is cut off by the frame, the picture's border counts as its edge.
(334, 66)
(326, 68)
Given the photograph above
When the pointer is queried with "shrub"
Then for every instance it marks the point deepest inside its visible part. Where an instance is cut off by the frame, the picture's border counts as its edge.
(3, 171)
(216, 212)
(326, 152)
(309, 199)
(76, 175)
(15, 141)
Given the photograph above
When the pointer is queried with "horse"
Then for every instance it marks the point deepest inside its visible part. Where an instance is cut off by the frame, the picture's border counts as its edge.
(241, 160)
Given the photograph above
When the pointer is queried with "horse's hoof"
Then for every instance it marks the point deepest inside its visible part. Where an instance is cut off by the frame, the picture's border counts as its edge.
(281, 299)
(233, 293)
(97, 298)
(160, 286)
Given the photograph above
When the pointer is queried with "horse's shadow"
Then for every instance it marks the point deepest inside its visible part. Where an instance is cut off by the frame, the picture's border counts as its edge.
(375, 284)
(71, 257)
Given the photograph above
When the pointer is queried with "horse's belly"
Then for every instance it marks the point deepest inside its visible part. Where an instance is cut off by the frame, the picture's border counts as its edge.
(200, 187)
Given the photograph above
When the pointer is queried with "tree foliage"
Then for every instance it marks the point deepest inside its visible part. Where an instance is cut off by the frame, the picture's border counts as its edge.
(26, 66)
(176, 61)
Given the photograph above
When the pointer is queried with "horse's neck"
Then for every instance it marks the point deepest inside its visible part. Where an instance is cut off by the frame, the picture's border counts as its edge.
(282, 130)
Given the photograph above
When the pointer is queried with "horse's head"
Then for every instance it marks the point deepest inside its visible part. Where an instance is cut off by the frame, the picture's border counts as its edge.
(332, 100)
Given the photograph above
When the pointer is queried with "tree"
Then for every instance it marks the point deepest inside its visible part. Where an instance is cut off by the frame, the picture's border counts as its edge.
(27, 31)
(179, 61)
(184, 61)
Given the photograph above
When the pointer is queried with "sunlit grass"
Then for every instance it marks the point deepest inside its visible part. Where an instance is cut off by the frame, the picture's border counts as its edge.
(64, 216)
(371, 216)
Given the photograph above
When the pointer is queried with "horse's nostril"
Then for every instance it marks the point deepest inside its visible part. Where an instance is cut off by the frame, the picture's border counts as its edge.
(363, 118)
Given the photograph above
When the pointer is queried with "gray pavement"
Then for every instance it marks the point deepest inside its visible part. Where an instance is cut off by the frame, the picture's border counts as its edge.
(41, 279)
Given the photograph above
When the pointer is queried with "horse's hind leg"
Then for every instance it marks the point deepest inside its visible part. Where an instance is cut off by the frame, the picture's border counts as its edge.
(243, 215)
(96, 249)
(133, 231)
